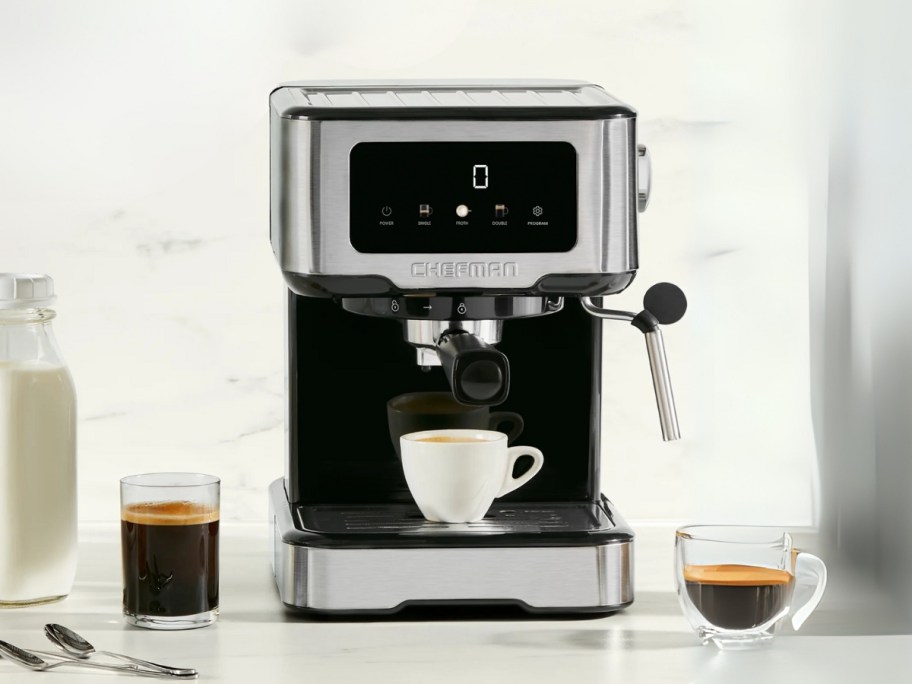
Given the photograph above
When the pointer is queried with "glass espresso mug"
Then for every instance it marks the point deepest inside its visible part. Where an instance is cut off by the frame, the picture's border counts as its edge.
(737, 583)
(169, 525)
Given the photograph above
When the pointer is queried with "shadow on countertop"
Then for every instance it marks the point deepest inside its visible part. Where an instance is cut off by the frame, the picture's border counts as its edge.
(598, 639)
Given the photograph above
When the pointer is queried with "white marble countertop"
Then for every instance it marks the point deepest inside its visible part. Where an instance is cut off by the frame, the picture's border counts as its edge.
(257, 640)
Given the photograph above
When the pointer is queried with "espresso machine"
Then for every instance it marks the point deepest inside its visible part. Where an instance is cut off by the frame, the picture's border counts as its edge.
(457, 236)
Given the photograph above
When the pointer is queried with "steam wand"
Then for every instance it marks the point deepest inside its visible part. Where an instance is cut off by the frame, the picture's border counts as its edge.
(664, 303)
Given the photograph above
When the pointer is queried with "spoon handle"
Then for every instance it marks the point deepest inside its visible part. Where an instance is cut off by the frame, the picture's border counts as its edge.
(77, 646)
(64, 660)
(179, 671)
(123, 669)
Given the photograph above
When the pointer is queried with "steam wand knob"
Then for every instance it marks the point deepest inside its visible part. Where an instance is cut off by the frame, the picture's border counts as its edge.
(666, 304)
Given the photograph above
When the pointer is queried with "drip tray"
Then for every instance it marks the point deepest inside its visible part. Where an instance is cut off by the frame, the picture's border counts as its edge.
(398, 520)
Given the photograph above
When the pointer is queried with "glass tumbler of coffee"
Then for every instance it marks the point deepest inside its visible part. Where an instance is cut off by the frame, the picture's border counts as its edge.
(737, 583)
(169, 530)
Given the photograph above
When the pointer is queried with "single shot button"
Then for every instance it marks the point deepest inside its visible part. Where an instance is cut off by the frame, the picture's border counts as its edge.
(425, 210)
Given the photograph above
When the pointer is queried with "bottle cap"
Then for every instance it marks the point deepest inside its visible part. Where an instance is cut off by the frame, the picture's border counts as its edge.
(26, 291)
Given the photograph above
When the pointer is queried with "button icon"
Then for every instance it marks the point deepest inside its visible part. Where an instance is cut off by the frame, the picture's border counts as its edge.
(501, 210)
(425, 210)
(462, 211)
(537, 210)
(386, 211)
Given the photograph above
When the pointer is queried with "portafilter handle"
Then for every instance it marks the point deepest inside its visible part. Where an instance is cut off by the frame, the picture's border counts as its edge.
(664, 303)
(479, 374)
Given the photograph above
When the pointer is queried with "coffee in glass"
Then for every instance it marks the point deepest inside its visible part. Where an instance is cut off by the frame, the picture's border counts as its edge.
(170, 547)
(738, 596)
(736, 584)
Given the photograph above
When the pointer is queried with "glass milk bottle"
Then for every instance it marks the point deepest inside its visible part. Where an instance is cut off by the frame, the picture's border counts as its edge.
(37, 448)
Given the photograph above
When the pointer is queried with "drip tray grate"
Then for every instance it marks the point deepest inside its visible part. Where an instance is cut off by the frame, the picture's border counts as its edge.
(402, 519)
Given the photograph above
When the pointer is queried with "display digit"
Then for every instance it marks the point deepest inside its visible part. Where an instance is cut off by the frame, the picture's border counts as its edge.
(482, 171)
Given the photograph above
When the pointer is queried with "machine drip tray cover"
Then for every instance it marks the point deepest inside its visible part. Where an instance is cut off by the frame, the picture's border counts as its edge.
(406, 520)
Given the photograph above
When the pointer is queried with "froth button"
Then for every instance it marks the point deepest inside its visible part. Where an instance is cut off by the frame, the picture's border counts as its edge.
(462, 211)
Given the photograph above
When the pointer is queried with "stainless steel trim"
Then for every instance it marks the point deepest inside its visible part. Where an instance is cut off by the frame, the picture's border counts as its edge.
(619, 167)
(382, 579)
(290, 572)
(611, 314)
(658, 365)
(310, 199)
(438, 83)
(425, 333)
(661, 382)
(293, 100)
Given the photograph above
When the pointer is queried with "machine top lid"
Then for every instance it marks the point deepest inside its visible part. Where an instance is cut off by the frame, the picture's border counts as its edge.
(447, 99)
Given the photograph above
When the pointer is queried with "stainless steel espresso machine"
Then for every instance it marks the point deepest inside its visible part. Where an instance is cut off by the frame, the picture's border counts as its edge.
(456, 236)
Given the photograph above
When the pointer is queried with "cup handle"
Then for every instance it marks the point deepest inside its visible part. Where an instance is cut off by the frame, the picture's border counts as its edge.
(809, 572)
(513, 454)
(514, 419)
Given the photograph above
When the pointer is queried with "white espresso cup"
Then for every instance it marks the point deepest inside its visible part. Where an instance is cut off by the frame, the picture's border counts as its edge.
(455, 475)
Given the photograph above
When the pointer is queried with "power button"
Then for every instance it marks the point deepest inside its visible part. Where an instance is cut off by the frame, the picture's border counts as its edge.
(386, 211)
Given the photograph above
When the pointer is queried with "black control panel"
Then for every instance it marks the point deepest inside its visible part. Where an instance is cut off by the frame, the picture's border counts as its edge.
(463, 197)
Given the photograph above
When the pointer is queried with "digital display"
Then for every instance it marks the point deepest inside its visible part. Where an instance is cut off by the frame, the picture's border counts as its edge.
(463, 197)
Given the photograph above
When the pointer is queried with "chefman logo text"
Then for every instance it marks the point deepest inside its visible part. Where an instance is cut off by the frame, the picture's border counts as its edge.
(465, 269)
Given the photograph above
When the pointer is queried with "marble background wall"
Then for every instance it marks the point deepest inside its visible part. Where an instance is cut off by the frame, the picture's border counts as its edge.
(134, 169)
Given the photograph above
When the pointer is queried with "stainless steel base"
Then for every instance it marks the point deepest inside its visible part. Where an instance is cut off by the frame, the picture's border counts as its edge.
(565, 577)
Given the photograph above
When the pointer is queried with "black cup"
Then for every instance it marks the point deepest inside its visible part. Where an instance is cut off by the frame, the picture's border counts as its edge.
(417, 411)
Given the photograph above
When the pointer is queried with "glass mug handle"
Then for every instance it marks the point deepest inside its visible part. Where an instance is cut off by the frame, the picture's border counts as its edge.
(514, 422)
(809, 572)
(513, 455)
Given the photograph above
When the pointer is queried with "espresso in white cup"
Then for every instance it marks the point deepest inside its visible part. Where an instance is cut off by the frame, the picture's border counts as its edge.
(455, 475)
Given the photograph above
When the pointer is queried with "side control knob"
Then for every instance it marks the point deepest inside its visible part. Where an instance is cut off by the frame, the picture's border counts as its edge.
(644, 177)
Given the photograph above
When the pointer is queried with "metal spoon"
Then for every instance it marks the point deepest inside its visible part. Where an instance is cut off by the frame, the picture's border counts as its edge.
(30, 661)
(74, 644)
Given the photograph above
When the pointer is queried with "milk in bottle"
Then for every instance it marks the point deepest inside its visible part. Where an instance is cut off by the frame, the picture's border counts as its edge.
(37, 448)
